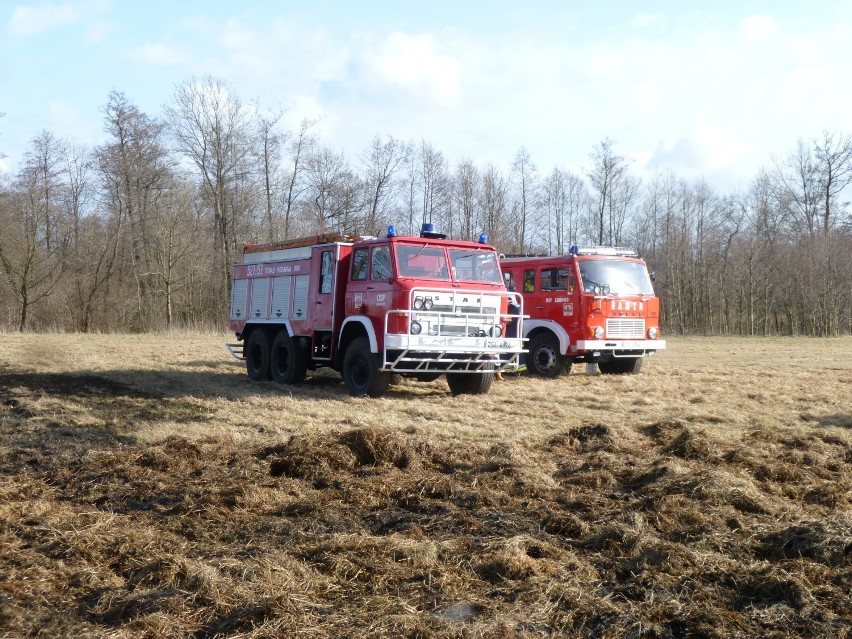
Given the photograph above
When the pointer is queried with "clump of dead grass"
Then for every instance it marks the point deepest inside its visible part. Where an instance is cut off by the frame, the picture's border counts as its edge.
(617, 522)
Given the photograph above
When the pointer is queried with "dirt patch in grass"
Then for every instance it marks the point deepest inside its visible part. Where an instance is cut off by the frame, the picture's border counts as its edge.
(403, 517)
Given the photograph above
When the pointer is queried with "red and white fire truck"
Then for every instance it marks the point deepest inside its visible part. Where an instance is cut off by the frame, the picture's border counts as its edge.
(371, 308)
(594, 305)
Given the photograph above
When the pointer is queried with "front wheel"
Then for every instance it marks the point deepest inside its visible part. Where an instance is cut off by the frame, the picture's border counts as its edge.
(469, 383)
(361, 371)
(621, 366)
(287, 360)
(544, 357)
(257, 355)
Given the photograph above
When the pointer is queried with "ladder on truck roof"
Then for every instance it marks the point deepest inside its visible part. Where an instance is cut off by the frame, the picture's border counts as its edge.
(298, 242)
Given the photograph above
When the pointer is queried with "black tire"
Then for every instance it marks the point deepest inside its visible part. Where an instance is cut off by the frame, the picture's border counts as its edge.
(621, 366)
(288, 363)
(361, 371)
(469, 383)
(427, 377)
(257, 353)
(544, 357)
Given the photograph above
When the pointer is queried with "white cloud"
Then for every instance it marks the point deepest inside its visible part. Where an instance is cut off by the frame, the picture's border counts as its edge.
(27, 21)
(645, 20)
(98, 32)
(162, 54)
(413, 63)
(758, 28)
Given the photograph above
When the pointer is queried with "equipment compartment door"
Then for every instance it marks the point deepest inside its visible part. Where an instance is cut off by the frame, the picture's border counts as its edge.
(322, 295)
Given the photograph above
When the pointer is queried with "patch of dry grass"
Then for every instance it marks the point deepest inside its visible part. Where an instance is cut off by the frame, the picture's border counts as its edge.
(149, 489)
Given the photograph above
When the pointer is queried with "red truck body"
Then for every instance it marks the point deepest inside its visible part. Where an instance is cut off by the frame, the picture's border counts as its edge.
(594, 305)
(419, 307)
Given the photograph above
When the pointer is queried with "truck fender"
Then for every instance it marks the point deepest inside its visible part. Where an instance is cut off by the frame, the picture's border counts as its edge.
(270, 324)
(553, 327)
(368, 327)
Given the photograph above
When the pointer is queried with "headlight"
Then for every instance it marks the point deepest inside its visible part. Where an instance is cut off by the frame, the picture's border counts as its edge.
(415, 327)
(652, 332)
(418, 303)
(496, 331)
(599, 332)
(427, 304)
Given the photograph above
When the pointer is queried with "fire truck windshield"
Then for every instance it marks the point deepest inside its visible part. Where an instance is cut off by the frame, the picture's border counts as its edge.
(615, 277)
(475, 266)
(424, 261)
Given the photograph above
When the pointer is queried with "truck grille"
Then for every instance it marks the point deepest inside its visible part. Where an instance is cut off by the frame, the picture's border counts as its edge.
(625, 328)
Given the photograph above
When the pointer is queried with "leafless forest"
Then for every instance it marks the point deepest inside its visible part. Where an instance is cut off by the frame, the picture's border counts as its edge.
(138, 234)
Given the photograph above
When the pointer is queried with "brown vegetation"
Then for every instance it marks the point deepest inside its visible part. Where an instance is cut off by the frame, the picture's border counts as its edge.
(150, 490)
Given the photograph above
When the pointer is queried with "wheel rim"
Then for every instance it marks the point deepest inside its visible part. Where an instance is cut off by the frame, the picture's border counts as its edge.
(282, 361)
(360, 371)
(256, 357)
(545, 358)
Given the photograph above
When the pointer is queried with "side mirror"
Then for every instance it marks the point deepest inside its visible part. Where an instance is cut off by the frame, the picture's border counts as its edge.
(653, 277)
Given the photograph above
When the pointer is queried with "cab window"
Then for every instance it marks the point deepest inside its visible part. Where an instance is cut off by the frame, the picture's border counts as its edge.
(360, 263)
(381, 266)
(554, 279)
(529, 280)
(326, 272)
(509, 281)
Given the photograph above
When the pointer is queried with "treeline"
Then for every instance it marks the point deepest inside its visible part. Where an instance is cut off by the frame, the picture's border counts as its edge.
(139, 233)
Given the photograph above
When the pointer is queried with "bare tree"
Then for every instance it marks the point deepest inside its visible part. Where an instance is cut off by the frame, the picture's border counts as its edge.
(565, 198)
(212, 129)
(615, 192)
(434, 182)
(135, 174)
(525, 178)
(176, 233)
(493, 206)
(333, 192)
(270, 151)
(833, 155)
(301, 147)
(33, 237)
(382, 162)
(466, 186)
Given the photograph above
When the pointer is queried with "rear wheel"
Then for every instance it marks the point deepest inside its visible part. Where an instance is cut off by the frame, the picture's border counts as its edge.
(544, 357)
(287, 361)
(361, 371)
(469, 383)
(621, 366)
(257, 355)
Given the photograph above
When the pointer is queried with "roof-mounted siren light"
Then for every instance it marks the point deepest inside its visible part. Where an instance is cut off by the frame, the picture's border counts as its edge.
(428, 231)
(603, 250)
(483, 238)
(391, 231)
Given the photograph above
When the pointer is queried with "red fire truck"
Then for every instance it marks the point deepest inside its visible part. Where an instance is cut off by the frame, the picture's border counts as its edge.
(594, 305)
(371, 308)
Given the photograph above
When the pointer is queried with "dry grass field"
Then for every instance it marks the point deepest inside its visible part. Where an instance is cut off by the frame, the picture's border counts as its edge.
(149, 489)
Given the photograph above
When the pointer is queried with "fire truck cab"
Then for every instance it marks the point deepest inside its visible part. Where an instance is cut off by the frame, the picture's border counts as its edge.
(371, 308)
(594, 305)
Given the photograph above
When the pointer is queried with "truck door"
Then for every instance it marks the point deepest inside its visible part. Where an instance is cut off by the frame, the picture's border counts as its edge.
(321, 300)
(370, 291)
(561, 299)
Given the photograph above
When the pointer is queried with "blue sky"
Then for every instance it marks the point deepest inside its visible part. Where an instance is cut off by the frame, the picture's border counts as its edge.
(709, 89)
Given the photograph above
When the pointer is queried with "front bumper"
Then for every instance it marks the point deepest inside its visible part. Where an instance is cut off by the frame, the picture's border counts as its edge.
(431, 353)
(609, 345)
